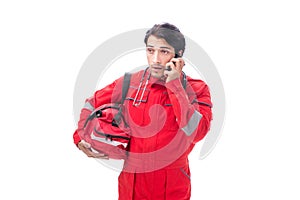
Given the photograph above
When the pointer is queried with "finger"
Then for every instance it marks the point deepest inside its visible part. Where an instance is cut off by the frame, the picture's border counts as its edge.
(97, 154)
(89, 152)
(176, 63)
(169, 66)
(100, 156)
(168, 70)
(92, 154)
(181, 63)
(85, 144)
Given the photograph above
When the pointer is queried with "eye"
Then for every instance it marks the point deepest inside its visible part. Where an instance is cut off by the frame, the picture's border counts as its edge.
(164, 52)
(150, 50)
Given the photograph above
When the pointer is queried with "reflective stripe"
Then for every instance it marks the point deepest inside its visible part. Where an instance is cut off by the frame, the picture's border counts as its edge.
(192, 124)
(185, 173)
(101, 139)
(88, 106)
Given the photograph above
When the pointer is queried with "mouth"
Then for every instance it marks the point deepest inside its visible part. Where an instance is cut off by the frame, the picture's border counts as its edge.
(157, 67)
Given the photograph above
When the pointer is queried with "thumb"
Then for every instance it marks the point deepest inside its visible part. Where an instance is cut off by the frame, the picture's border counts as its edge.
(85, 144)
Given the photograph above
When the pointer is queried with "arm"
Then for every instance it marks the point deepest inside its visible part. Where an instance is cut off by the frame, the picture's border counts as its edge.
(193, 113)
(110, 93)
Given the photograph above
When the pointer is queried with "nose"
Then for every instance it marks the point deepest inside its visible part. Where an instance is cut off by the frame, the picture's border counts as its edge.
(156, 57)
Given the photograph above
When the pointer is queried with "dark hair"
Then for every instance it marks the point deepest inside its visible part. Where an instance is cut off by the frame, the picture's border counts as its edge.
(170, 33)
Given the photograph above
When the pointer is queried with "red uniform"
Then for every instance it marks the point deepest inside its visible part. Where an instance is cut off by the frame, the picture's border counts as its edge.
(166, 121)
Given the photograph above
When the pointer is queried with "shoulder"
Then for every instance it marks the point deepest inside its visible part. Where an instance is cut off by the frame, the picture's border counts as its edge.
(136, 76)
(201, 90)
(137, 73)
(196, 84)
(132, 76)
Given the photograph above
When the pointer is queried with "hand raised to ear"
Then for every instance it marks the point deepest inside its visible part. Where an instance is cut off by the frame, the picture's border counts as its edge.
(175, 65)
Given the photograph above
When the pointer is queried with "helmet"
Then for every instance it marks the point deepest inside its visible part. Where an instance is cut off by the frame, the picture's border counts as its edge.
(107, 131)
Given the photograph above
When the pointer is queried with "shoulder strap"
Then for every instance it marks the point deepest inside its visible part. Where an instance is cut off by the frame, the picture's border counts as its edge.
(183, 81)
(125, 86)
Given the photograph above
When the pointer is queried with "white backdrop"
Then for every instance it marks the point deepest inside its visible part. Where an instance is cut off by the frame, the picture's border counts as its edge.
(254, 45)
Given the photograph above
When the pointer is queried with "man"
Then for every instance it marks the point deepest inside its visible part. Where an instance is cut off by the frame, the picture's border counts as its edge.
(168, 113)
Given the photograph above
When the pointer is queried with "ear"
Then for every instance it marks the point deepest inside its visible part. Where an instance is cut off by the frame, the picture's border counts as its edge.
(180, 53)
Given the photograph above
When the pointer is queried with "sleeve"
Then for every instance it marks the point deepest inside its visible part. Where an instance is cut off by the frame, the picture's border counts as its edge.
(108, 94)
(193, 108)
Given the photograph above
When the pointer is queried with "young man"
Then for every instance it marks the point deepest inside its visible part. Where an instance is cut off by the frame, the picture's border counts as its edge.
(168, 113)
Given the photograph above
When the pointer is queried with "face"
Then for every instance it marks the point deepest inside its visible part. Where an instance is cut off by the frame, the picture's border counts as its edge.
(159, 53)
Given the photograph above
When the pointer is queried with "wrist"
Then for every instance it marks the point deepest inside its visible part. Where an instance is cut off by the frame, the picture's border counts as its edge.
(169, 78)
(173, 85)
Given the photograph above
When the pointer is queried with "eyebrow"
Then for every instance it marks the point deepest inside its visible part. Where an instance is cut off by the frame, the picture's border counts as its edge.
(162, 47)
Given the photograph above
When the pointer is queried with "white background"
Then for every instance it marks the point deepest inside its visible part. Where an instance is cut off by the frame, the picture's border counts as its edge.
(254, 45)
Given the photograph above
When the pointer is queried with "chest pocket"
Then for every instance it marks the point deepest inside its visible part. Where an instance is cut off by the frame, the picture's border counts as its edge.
(137, 96)
(171, 123)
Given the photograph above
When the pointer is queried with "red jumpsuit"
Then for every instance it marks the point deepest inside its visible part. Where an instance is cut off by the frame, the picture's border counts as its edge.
(166, 122)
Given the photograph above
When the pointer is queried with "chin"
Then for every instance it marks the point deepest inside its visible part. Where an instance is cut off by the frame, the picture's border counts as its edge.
(156, 75)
